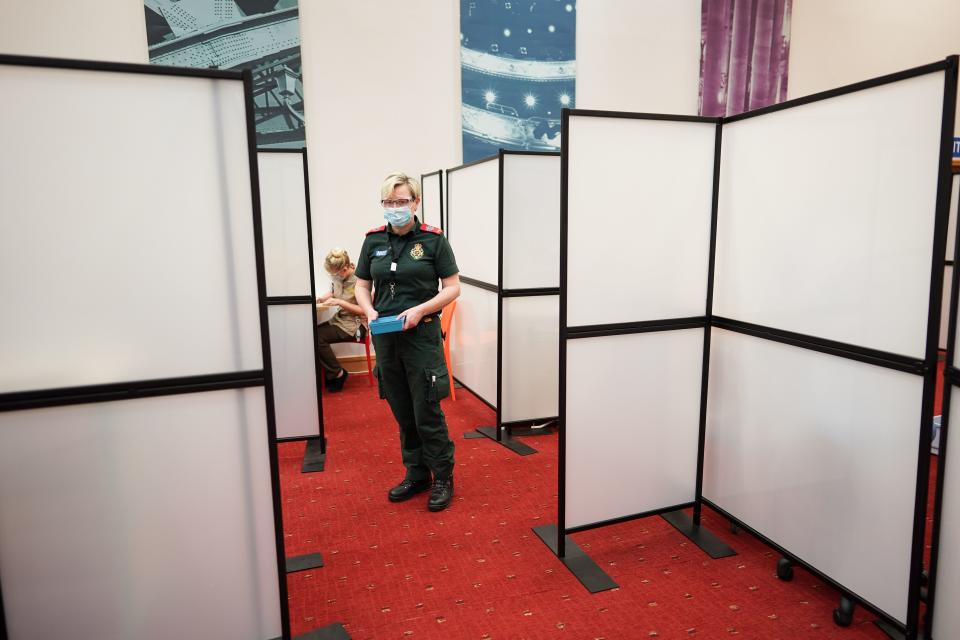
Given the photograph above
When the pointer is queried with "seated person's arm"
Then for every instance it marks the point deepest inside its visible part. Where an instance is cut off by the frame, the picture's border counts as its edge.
(349, 307)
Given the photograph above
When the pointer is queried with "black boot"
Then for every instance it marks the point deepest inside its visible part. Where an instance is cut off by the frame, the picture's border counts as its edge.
(440, 494)
(407, 489)
(336, 384)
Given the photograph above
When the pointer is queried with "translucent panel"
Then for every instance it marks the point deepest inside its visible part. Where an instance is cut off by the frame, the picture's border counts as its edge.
(473, 219)
(946, 614)
(945, 307)
(952, 224)
(431, 205)
(473, 346)
(148, 518)
(531, 221)
(834, 238)
(283, 206)
(956, 337)
(294, 370)
(821, 458)
(639, 198)
(632, 423)
(530, 360)
(128, 222)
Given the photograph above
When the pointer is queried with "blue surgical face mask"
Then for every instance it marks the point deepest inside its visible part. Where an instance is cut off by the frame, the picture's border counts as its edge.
(397, 217)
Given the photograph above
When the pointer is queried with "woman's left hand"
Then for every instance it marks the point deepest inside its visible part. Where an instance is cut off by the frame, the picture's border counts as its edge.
(411, 317)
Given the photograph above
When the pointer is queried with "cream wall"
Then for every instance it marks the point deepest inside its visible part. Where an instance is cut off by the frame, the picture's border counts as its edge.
(838, 42)
(382, 92)
(111, 30)
(638, 55)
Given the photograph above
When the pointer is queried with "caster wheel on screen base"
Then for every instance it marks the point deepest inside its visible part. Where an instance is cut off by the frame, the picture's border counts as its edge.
(843, 615)
(785, 569)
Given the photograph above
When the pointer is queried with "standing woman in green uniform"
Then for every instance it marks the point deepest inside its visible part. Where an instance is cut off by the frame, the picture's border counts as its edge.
(404, 261)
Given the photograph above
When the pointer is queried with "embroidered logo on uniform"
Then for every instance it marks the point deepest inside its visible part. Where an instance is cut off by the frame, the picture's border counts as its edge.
(417, 252)
(380, 252)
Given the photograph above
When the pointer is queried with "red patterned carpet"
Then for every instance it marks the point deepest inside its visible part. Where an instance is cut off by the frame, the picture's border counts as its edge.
(477, 571)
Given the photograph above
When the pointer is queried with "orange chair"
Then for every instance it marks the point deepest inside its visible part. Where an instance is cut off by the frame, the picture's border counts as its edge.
(446, 320)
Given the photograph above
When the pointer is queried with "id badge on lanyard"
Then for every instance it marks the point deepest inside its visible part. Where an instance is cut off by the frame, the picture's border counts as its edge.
(393, 266)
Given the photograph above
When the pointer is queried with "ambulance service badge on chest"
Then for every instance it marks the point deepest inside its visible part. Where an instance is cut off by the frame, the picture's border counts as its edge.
(417, 252)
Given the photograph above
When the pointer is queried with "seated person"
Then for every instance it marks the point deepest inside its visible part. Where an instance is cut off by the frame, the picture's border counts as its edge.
(347, 325)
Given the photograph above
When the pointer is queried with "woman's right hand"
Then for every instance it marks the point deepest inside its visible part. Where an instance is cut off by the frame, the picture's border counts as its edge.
(324, 297)
(372, 315)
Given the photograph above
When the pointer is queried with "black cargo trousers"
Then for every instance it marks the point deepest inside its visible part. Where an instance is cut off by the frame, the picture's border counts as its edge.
(413, 378)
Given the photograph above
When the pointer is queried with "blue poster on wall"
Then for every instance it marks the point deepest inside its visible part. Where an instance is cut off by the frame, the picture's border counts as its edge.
(517, 70)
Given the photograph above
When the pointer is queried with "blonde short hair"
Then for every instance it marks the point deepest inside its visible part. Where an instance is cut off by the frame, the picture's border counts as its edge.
(336, 260)
(398, 179)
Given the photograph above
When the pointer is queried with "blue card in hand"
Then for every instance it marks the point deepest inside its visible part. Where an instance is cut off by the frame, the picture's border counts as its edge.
(386, 324)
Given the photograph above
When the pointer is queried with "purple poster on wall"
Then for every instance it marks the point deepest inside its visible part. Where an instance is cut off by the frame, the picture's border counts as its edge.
(744, 49)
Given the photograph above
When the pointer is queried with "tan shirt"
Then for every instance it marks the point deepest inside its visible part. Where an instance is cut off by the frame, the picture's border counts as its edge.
(346, 290)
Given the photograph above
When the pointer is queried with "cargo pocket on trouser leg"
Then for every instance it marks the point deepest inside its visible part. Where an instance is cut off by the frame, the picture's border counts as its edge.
(376, 373)
(438, 383)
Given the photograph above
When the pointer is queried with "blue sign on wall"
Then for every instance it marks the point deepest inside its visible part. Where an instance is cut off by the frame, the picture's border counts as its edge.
(956, 147)
(518, 67)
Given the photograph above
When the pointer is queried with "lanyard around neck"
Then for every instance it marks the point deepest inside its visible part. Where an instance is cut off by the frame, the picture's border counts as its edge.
(394, 255)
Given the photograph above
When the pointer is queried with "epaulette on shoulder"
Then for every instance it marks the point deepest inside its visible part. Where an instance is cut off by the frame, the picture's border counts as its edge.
(376, 229)
(431, 229)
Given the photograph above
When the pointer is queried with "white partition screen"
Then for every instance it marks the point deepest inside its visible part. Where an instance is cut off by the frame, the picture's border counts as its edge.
(531, 221)
(638, 238)
(110, 249)
(288, 263)
(952, 223)
(946, 614)
(945, 309)
(128, 246)
(950, 257)
(144, 488)
(503, 222)
(943, 616)
(822, 308)
(283, 206)
(530, 359)
(812, 439)
(431, 203)
(473, 346)
(833, 238)
(611, 469)
(530, 287)
(472, 213)
(294, 370)
(820, 458)
(638, 223)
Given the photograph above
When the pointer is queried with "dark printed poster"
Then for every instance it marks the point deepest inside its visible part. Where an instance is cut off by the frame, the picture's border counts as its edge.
(517, 70)
(260, 35)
